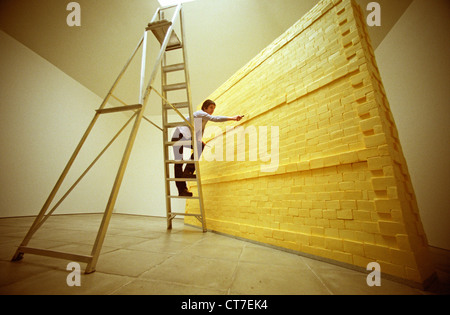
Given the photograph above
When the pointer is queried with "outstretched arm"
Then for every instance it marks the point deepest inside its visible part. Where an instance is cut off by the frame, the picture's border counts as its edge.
(206, 116)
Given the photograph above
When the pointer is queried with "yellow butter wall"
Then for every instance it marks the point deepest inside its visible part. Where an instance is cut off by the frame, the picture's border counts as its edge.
(342, 190)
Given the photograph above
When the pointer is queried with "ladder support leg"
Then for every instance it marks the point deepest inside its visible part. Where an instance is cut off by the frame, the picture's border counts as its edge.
(113, 197)
(37, 222)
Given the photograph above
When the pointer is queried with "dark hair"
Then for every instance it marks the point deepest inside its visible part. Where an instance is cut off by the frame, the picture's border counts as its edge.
(207, 103)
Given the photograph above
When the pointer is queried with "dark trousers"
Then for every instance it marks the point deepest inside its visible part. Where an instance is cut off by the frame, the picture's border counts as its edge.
(178, 153)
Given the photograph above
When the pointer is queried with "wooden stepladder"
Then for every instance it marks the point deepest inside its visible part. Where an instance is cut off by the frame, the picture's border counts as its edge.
(165, 33)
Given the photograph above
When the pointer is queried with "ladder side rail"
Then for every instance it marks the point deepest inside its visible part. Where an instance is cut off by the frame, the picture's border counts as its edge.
(165, 138)
(188, 90)
(113, 196)
(143, 65)
(191, 114)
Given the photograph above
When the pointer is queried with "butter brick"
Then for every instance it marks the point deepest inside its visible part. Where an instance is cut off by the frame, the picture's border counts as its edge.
(377, 252)
(355, 248)
(378, 163)
(361, 261)
(361, 215)
(352, 195)
(385, 206)
(279, 235)
(333, 204)
(293, 212)
(347, 185)
(350, 157)
(364, 109)
(317, 230)
(334, 244)
(383, 183)
(341, 256)
(391, 228)
(317, 241)
(375, 140)
(370, 227)
(344, 214)
(348, 204)
(289, 236)
(369, 124)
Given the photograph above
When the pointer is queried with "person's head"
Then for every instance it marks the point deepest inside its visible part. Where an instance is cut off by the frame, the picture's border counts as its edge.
(209, 107)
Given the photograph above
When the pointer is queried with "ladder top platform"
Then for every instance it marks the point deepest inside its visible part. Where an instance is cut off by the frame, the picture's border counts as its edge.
(159, 24)
(159, 29)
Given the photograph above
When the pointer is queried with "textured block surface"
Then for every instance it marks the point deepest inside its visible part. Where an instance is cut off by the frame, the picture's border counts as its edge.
(341, 190)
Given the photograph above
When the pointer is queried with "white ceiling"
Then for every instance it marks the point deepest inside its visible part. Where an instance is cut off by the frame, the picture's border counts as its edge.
(222, 36)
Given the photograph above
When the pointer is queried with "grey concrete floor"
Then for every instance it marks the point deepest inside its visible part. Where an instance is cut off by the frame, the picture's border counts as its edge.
(140, 256)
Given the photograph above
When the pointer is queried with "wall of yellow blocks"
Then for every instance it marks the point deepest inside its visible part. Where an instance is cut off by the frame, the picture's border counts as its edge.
(342, 190)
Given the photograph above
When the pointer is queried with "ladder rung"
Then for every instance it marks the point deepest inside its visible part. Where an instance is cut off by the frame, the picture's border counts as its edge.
(55, 254)
(173, 44)
(182, 197)
(179, 143)
(176, 124)
(185, 214)
(179, 162)
(159, 29)
(177, 105)
(175, 67)
(118, 109)
(174, 87)
(181, 179)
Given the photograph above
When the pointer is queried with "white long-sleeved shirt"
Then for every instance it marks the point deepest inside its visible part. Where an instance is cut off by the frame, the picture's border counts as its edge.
(205, 117)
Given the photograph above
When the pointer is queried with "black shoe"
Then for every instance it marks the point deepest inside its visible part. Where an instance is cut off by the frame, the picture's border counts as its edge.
(185, 193)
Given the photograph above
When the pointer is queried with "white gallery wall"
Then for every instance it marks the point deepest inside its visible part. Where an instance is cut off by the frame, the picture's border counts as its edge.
(414, 65)
(43, 115)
